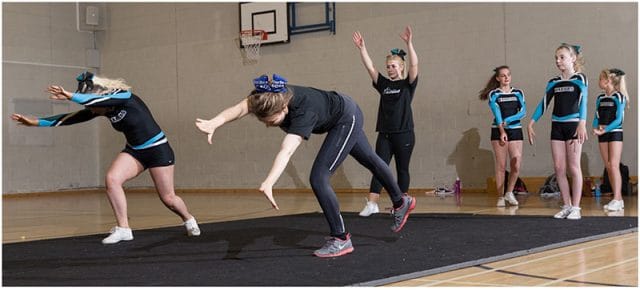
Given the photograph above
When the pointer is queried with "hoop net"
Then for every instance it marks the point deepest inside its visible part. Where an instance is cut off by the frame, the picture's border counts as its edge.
(250, 41)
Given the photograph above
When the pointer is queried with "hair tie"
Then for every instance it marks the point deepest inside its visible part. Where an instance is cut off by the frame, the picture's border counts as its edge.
(278, 84)
(85, 82)
(617, 72)
(398, 52)
(498, 68)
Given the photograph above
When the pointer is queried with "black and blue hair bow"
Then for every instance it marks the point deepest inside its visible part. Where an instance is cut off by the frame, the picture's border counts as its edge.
(576, 47)
(85, 82)
(617, 72)
(278, 84)
(398, 52)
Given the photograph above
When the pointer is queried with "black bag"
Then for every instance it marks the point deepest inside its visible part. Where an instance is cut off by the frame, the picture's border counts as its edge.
(605, 187)
(519, 186)
(550, 185)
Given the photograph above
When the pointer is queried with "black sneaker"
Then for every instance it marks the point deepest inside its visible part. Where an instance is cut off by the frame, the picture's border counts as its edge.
(401, 214)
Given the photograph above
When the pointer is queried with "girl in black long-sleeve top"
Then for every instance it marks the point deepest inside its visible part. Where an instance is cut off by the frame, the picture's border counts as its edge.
(147, 145)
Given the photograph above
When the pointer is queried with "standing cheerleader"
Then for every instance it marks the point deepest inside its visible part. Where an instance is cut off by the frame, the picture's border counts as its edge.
(607, 125)
(568, 128)
(508, 108)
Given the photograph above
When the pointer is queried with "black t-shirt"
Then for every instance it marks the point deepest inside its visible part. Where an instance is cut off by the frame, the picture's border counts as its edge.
(311, 111)
(394, 112)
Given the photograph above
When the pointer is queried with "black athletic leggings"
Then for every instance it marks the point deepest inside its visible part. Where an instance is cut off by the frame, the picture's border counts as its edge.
(346, 138)
(399, 146)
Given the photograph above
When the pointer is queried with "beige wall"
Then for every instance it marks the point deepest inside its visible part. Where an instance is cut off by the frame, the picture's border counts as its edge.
(182, 59)
(41, 46)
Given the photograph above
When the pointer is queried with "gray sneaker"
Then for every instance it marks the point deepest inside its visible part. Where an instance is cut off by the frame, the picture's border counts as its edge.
(335, 247)
(401, 214)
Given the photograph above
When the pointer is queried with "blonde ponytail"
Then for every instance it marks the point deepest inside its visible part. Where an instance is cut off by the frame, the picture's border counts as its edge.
(106, 85)
(622, 87)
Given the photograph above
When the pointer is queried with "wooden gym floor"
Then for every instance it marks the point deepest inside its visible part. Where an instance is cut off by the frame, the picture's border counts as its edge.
(606, 262)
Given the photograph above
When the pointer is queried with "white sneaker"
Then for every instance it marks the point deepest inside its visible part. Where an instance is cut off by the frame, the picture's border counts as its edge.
(118, 234)
(575, 213)
(192, 227)
(370, 208)
(614, 213)
(614, 205)
(566, 210)
(500, 202)
(510, 198)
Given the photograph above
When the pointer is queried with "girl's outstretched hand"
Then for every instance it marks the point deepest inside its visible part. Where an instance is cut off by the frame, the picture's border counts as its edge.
(208, 127)
(58, 93)
(267, 190)
(22, 120)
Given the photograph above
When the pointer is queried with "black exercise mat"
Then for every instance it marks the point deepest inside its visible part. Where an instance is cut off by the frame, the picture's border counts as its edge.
(277, 251)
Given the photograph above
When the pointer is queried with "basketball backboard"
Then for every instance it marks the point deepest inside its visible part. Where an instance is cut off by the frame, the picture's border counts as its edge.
(272, 17)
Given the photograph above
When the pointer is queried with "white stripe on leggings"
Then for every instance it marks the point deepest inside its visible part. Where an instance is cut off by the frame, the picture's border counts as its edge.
(353, 123)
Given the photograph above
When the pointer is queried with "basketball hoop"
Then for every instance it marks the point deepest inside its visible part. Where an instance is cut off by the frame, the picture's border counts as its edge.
(250, 41)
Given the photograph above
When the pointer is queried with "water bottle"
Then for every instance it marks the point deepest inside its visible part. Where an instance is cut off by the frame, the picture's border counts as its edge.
(597, 192)
(457, 191)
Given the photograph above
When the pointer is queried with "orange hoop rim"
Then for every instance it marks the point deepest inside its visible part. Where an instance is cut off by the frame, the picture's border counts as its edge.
(254, 32)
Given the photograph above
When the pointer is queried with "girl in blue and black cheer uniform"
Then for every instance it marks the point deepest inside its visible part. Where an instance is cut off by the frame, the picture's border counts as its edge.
(569, 92)
(508, 108)
(147, 146)
(607, 125)
(301, 111)
(396, 137)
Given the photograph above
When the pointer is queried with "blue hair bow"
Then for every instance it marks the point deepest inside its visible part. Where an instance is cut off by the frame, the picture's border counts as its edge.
(278, 84)
(262, 84)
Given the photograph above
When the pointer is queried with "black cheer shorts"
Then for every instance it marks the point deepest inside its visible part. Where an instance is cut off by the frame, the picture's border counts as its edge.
(563, 131)
(512, 134)
(156, 156)
(610, 137)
